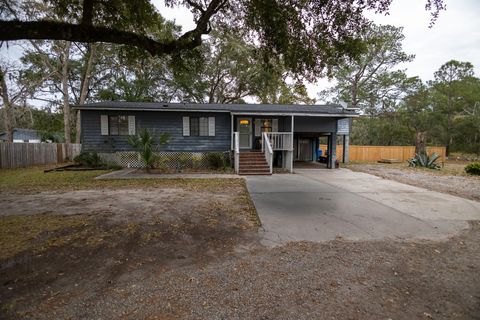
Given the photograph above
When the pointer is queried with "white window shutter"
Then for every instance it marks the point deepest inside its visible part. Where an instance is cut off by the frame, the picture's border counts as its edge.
(131, 125)
(104, 124)
(186, 126)
(211, 126)
(275, 125)
(258, 127)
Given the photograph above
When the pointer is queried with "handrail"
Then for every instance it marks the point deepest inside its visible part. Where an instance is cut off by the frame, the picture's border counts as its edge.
(280, 140)
(268, 151)
(236, 155)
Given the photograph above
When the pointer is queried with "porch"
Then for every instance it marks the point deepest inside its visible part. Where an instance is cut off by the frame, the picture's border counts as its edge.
(281, 140)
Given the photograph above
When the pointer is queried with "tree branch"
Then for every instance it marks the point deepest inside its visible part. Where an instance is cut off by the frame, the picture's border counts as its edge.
(87, 13)
(88, 33)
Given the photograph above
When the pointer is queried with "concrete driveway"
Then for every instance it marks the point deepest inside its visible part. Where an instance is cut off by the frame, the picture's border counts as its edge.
(320, 205)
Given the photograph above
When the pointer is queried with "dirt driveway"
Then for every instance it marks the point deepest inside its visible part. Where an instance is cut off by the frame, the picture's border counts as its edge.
(190, 250)
(451, 179)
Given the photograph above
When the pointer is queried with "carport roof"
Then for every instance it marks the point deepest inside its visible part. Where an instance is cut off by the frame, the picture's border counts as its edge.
(326, 109)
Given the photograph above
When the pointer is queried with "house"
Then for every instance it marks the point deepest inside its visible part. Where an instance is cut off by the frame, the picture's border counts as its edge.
(280, 134)
(22, 135)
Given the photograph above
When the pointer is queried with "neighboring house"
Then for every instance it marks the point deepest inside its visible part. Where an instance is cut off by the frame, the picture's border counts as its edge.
(281, 133)
(22, 135)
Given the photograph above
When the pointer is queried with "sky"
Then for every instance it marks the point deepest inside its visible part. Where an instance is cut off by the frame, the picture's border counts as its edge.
(455, 35)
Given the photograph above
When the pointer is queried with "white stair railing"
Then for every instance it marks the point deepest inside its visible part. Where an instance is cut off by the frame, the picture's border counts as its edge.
(267, 149)
(236, 155)
(281, 140)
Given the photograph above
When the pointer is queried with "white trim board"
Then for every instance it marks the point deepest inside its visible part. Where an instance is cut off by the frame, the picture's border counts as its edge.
(236, 113)
(296, 114)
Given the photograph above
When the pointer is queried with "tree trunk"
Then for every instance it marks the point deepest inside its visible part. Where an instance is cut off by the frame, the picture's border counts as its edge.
(420, 142)
(84, 89)
(66, 105)
(8, 108)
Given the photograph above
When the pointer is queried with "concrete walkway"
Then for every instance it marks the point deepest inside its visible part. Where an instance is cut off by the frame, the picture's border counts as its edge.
(132, 173)
(320, 205)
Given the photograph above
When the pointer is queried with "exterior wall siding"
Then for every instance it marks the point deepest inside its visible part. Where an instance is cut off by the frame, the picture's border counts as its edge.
(158, 122)
(315, 124)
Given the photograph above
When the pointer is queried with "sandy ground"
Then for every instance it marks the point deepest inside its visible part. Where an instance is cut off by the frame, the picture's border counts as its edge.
(172, 253)
(456, 184)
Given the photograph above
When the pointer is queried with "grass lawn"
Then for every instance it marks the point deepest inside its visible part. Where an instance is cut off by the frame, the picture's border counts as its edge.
(43, 225)
(33, 179)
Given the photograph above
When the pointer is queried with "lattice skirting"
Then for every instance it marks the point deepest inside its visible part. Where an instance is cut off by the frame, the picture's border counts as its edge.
(168, 159)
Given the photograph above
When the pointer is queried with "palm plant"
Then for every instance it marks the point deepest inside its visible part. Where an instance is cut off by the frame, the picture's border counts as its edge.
(144, 142)
(424, 160)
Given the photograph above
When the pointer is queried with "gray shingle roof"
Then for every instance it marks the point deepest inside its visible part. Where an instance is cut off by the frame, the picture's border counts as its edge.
(263, 108)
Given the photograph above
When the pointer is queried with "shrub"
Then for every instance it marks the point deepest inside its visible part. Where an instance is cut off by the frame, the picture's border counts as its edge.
(473, 168)
(215, 160)
(144, 142)
(424, 160)
(89, 159)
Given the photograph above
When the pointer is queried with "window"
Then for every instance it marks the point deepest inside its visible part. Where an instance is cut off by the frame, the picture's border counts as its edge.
(204, 127)
(118, 125)
(194, 126)
(266, 125)
(199, 126)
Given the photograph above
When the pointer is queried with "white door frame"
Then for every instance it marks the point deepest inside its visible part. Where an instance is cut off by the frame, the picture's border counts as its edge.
(250, 140)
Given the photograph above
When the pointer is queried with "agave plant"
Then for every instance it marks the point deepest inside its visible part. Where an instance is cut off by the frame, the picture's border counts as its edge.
(146, 146)
(424, 160)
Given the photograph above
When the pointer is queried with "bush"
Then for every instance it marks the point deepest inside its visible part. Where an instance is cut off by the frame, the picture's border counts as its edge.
(89, 159)
(473, 168)
(424, 160)
(146, 145)
(215, 160)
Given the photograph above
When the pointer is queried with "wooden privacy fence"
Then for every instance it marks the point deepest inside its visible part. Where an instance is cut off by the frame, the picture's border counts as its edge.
(18, 155)
(376, 153)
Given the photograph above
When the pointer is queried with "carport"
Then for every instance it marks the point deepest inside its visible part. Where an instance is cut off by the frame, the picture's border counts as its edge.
(306, 143)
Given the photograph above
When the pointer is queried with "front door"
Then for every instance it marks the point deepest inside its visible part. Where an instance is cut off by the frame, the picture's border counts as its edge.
(245, 132)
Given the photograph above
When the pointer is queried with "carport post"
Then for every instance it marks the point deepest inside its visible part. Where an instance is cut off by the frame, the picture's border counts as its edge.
(346, 146)
(332, 150)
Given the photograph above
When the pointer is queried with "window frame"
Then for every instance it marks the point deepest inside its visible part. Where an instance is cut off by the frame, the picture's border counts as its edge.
(199, 126)
(118, 124)
(194, 123)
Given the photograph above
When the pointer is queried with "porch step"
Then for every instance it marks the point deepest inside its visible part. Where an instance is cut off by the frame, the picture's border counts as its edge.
(253, 163)
(254, 171)
(247, 162)
(254, 166)
(248, 173)
(252, 156)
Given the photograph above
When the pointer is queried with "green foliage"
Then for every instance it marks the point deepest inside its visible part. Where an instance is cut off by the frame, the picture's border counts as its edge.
(369, 81)
(216, 160)
(473, 168)
(454, 92)
(146, 145)
(425, 161)
(227, 69)
(89, 159)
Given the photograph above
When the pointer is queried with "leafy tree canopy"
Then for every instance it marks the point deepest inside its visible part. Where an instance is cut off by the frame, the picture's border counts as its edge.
(308, 35)
(372, 80)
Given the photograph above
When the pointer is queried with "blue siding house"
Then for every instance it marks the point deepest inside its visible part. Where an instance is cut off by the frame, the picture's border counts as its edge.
(257, 137)
(22, 135)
